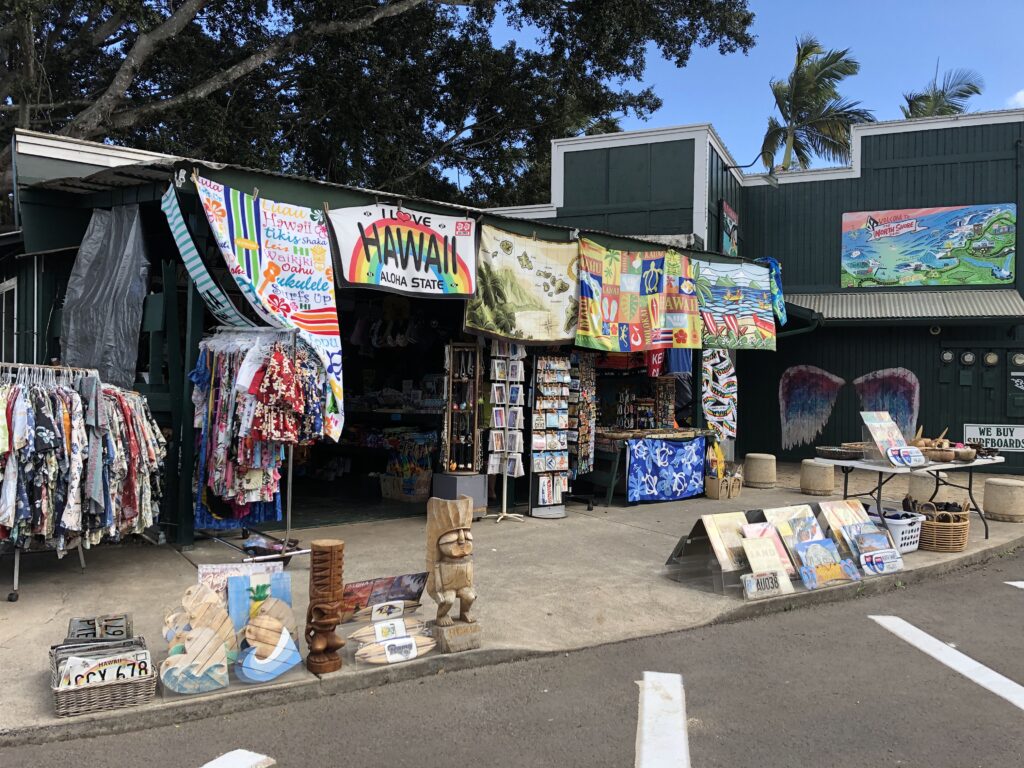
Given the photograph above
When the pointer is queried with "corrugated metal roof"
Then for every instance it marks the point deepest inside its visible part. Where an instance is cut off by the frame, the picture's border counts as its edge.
(907, 305)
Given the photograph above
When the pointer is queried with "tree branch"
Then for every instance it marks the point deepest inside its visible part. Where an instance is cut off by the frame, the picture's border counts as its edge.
(455, 139)
(221, 80)
(45, 107)
(106, 29)
(90, 121)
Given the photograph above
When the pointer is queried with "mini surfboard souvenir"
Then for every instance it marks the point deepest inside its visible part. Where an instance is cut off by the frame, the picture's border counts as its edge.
(392, 609)
(395, 651)
(386, 630)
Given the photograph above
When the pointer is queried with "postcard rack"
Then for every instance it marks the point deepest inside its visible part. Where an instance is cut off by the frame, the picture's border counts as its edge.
(31, 372)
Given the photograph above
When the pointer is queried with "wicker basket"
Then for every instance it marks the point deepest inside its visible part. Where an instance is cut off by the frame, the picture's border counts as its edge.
(102, 697)
(838, 454)
(944, 531)
(939, 455)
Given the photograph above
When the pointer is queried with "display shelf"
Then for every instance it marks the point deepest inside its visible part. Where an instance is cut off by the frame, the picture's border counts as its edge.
(460, 444)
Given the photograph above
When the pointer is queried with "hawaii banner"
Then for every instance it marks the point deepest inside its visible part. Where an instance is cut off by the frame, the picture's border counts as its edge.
(528, 289)
(278, 255)
(220, 305)
(405, 251)
(735, 305)
(636, 301)
(958, 245)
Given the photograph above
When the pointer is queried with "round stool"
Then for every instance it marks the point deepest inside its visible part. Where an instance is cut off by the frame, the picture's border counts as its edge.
(1004, 500)
(922, 486)
(817, 479)
(759, 470)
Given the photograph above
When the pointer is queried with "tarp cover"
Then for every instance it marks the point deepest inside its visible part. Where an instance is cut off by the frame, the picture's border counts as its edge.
(103, 309)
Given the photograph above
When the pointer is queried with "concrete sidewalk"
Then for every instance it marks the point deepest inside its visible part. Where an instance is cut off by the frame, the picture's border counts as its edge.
(545, 586)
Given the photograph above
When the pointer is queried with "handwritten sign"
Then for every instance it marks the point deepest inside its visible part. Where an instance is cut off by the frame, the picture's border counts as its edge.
(278, 254)
(405, 251)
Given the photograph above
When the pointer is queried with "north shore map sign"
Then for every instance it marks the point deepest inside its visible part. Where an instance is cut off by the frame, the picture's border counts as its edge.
(953, 246)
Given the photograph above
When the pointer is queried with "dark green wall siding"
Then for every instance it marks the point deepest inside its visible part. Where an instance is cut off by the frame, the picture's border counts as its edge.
(799, 224)
(853, 352)
(645, 189)
(722, 185)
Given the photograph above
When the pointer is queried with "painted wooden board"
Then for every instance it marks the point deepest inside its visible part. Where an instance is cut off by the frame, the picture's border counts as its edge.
(282, 611)
(385, 630)
(282, 657)
(395, 651)
(214, 616)
(203, 667)
(198, 594)
(263, 633)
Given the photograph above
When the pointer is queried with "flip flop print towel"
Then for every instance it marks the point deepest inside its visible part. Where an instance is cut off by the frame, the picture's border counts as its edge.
(718, 393)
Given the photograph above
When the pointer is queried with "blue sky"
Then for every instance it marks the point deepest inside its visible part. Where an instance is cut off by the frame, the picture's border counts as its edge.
(896, 42)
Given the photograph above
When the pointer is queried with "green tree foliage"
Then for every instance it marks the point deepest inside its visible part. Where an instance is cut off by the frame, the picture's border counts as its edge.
(445, 98)
(946, 98)
(815, 119)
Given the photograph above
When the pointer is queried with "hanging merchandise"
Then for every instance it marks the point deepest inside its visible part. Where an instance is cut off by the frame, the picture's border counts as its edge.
(278, 255)
(735, 305)
(81, 460)
(664, 470)
(718, 393)
(254, 394)
(405, 251)
(102, 311)
(636, 301)
(775, 281)
(220, 306)
(529, 288)
(582, 412)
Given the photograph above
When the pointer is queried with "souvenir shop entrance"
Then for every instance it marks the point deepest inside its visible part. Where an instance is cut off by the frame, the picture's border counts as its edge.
(395, 400)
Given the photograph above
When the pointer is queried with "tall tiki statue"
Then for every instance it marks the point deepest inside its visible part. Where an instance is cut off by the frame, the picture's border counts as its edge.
(450, 557)
(326, 566)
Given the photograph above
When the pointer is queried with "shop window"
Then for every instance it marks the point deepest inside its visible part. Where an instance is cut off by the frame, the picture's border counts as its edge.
(8, 319)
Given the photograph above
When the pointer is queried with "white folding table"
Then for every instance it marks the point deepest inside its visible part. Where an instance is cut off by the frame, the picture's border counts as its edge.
(887, 472)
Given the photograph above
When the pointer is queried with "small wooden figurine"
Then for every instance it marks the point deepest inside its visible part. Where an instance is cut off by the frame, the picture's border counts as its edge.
(450, 569)
(326, 565)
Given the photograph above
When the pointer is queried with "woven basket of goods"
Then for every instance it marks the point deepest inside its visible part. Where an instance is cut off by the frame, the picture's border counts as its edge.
(939, 455)
(945, 530)
(838, 453)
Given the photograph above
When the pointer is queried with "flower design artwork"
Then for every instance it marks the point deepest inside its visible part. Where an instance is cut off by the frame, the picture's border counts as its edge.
(664, 470)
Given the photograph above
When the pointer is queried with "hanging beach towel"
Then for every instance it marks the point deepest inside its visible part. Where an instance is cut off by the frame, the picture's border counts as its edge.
(718, 393)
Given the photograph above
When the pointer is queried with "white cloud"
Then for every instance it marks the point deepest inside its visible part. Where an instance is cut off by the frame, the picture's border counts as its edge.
(1017, 100)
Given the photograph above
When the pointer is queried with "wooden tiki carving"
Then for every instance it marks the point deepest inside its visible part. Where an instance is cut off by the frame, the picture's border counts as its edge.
(326, 565)
(450, 557)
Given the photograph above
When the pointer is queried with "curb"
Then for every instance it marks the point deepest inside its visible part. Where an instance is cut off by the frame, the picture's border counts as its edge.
(164, 712)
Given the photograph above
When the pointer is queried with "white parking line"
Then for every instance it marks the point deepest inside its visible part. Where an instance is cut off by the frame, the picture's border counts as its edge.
(998, 684)
(661, 740)
(1017, 584)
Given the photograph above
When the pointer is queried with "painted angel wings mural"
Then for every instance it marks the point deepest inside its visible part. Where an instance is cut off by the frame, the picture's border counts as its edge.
(807, 397)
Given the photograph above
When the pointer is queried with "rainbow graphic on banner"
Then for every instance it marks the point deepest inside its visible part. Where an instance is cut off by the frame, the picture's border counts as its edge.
(277, 254)
(406, 251)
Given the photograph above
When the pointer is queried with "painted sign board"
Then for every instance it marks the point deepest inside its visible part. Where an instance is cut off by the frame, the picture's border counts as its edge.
(1005, 437)
(959, 245)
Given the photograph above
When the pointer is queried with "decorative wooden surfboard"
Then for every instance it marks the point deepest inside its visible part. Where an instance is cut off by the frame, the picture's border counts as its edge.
(282, 657)
(395, 651)
(392, 609)
(386, 630)
(203, 667)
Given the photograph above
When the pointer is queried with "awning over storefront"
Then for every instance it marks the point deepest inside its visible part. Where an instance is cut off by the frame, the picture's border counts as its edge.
(915, 306)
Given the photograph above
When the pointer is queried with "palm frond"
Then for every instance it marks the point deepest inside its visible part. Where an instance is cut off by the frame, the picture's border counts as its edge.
(774, 138)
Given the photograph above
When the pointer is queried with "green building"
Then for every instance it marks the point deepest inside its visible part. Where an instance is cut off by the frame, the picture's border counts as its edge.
(932, 328)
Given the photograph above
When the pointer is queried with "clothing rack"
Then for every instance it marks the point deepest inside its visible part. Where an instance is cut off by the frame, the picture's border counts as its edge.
(287, 552)
(12, 370)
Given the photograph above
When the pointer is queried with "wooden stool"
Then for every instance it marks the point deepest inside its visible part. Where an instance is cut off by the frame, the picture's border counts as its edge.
(1004, 500)
(817, 479)
(759, 470)
(922, 486)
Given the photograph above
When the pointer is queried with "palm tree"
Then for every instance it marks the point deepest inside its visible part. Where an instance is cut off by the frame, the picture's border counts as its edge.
(948, 98)
(816, 120)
